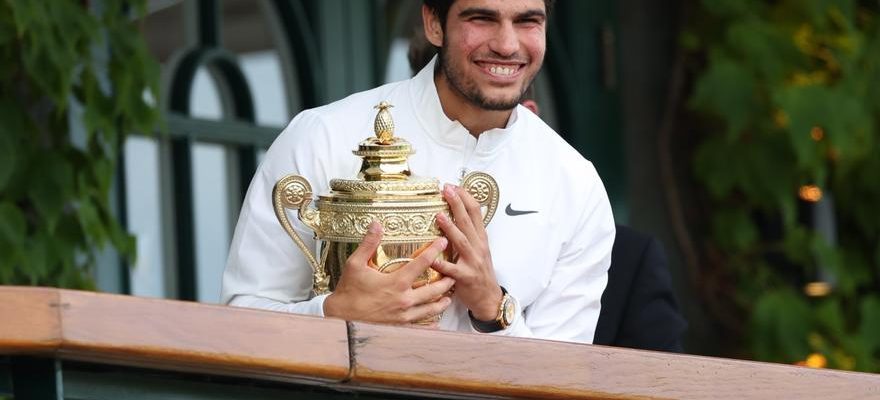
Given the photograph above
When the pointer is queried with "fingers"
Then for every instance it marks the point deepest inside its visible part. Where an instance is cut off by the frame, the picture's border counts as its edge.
(368, 245)
(458, 239)
(412, 270)
(433, 291)
(460, 213)
(447, 269)
(427, 310)
(476, 214)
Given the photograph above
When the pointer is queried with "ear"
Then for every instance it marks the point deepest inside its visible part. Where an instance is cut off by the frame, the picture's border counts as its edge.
(532, 105)
(433, 28)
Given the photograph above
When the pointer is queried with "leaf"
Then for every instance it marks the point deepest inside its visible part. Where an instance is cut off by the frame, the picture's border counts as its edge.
(820, 10)
(53, 208)
(796, 244)
(12, 225)
(50, 187)
(91, 222)
(13, 128)
(841, 116)
(852, 273)
(829, 316)
(734, 230)
(726, 90)
(762, 168)
(7, 26)
(792, 86)
(755, 39)
(869, 329)
(36, 260)
(781, 324)
(7, 159)
(731, 7)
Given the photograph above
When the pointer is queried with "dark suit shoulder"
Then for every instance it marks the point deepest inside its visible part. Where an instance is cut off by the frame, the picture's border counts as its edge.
(639, 309)
(628, 249)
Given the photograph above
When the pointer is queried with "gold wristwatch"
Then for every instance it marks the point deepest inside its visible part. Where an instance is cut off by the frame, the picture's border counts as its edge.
(506, 314)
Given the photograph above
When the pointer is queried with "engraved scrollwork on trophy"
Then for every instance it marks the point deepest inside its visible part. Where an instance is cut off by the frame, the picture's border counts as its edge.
(363, 224)
(395, 225)
(347, 185)
(294, 190)
(309, 216)
(419, 224)
(484, 189)
(346, 223)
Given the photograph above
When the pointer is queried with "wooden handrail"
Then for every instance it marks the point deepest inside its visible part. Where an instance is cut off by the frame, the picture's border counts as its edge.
(192, 337)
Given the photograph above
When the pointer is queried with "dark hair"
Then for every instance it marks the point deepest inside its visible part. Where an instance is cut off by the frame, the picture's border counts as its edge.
(440, 8)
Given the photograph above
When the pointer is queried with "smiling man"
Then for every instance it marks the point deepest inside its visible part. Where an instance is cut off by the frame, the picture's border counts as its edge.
(538, 270)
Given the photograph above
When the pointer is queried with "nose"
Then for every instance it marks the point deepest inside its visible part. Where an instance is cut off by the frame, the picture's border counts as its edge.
(505, 43)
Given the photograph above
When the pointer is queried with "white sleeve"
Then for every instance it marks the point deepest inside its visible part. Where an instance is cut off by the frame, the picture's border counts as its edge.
(313, 307)
(265, 269)
(568, 308)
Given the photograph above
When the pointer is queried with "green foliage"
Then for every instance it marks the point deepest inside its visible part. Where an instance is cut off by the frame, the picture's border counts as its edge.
(792, 88)
(75, 81)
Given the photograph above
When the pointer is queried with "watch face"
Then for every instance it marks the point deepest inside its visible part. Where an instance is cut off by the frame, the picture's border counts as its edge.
(509, 311)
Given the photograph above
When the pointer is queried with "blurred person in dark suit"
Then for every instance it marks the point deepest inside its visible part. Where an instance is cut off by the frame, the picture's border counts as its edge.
(639, 309)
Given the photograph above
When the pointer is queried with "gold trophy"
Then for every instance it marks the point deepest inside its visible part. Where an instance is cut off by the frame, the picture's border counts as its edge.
(384, 191)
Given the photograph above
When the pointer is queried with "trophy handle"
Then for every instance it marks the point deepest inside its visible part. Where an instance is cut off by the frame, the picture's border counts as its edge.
(295, 192)
(484, 189)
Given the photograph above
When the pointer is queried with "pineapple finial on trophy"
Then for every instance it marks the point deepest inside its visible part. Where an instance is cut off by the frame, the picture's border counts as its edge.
(384, 125)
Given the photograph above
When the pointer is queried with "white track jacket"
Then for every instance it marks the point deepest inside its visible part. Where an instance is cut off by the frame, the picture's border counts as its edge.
(554, 261)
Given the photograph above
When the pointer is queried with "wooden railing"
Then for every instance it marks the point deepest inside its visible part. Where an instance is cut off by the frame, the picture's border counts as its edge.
(96, 344)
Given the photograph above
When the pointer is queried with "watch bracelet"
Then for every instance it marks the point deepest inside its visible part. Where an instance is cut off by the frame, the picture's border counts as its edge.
(493, 325)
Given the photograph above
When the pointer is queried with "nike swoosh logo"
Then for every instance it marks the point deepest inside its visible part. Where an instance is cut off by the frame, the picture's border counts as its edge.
(511, 212)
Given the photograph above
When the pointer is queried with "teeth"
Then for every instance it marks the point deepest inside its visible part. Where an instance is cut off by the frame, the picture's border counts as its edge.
(501, 70)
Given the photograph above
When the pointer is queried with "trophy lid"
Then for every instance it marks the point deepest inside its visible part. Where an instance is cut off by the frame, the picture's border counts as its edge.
(385, 167)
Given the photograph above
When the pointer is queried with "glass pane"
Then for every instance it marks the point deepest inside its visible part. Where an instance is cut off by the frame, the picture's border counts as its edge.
(263, 73)
(212, 219)
(205, 101)
(144, 212)
(398, 63)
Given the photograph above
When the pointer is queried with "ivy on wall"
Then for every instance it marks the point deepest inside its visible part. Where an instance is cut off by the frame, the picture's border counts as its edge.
(75, 79)
(792, 88)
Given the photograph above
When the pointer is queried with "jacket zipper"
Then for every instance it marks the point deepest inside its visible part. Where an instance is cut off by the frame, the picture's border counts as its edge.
(468, 154)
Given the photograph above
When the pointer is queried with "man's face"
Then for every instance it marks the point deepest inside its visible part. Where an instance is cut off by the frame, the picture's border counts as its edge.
(492, 49)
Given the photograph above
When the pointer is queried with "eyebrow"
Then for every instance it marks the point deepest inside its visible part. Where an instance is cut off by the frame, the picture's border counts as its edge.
(472, 11)
(532, 14)
(469, 12)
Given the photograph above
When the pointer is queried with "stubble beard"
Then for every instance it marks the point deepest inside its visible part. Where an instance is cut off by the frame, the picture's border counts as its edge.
(469, 90)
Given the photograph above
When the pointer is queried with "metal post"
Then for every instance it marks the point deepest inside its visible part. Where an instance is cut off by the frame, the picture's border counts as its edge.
(37, 379)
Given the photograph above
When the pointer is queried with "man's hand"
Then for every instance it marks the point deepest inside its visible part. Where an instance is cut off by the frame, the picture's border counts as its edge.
(365, 294)
(476, 285)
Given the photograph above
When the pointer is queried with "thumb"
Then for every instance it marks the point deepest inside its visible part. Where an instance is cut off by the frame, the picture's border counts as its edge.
(368, 246)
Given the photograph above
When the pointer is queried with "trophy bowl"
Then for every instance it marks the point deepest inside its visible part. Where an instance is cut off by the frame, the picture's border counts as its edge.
(384, 191)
